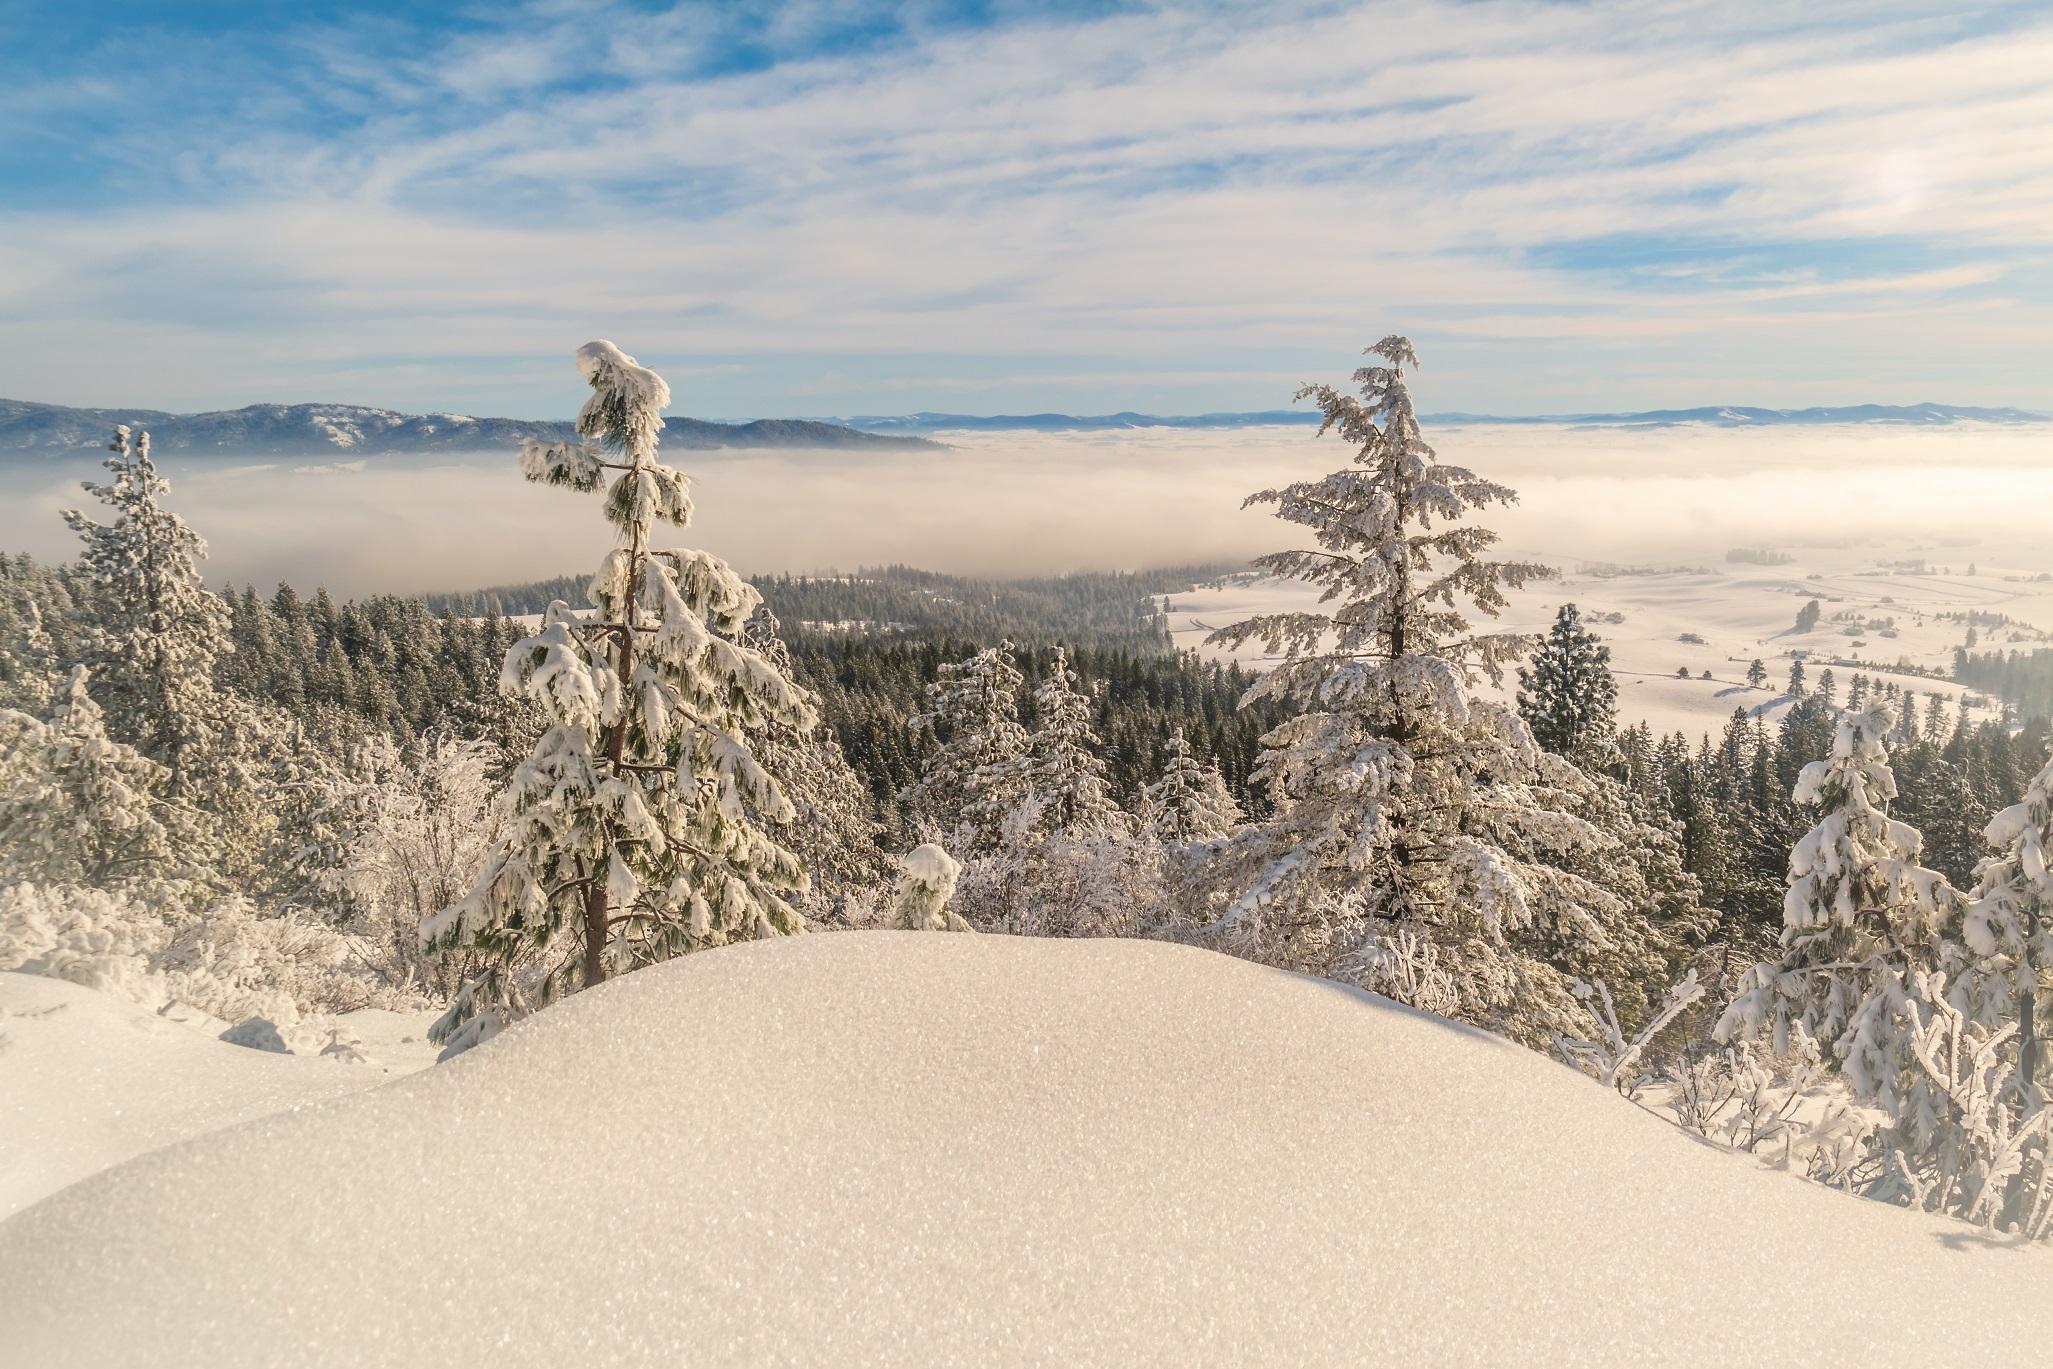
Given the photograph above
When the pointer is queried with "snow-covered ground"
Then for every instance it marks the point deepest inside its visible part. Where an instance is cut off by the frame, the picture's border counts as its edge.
(88, 1080)
(1741, 612)
(904, 1148)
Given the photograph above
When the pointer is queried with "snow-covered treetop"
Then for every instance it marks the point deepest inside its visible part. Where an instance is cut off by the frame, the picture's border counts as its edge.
(926, 882)
(621, 419)
(1858, 861)
(2011, 917)
(930, 865)
(1392, 551)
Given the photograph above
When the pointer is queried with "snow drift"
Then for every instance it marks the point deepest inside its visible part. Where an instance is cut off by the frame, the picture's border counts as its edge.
(913, 1149)
(88, 1080)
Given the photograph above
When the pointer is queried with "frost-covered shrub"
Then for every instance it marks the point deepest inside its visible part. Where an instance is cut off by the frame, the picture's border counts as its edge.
(90, 937)
(232, 963)
(1107, 882)
(227, 961)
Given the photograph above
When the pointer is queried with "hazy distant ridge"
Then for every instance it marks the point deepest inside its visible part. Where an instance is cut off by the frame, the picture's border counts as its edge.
(1722, 416)
(352, 430)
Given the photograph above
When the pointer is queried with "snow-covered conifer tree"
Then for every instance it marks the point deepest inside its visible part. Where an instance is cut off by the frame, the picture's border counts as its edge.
(1566, 693)
(635, 827)
(2009, 930)
(163, 631)
(82, 808)
(1190, 802)
(970, 781)
(28, 660)
(1061, 767)
(1406, 811)
(926, 881)
(832, 830)
(1861, 920)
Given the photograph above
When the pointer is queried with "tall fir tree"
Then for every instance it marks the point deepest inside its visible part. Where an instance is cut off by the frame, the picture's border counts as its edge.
(637, 824)
(1189, 802)
(1862, 919)
(79, 807)
(163, 630)
(1411, 819)
(1060, 770)
(1567, 694)
(969, 781)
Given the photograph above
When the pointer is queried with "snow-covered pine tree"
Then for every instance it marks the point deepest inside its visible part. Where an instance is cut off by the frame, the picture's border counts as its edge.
(28, 659)
(2009, 930)
(1190, 802)
(1407, 813)
(1861, 920)
(1061, 768)
(832, 830)
(163, 629)
(81, 808)
(969, 781)
(636, 825)
(926, 881)
(1567, 695)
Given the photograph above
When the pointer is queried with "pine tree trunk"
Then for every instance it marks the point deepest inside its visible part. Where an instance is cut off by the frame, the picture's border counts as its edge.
(616, 746)
(595, 934)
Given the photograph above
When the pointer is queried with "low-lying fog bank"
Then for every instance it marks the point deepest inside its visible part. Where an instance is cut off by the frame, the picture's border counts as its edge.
(1021, 503)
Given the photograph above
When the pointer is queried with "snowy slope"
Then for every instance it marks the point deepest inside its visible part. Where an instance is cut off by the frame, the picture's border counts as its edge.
(902, 1148)
(87, 1081)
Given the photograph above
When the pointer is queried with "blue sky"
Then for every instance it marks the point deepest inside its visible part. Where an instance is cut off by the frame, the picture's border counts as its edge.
(826, 207)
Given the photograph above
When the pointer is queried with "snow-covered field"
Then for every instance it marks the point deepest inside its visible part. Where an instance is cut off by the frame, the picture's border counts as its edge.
(88, 1080)
(1741, 612)
(895, 1148)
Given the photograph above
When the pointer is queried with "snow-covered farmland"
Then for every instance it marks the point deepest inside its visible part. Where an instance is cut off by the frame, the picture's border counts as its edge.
(886, 1148)
(1740, 612)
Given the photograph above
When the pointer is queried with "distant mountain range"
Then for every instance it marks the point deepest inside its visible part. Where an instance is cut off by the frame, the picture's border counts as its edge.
(348, 430)
(352, 431)
(1728, 416)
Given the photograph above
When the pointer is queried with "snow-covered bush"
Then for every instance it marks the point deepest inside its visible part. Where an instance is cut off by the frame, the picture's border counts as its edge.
(91, 937)
(1990, 1163)
(226, 961)
(926, 881)
(420, 824)
(1609, 1056)
(1102, 882)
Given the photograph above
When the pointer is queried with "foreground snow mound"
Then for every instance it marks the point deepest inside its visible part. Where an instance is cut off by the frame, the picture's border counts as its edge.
(888, 1148)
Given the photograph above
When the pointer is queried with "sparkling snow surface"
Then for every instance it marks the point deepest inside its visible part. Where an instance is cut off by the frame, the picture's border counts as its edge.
(87, 1081)
(899, 1148)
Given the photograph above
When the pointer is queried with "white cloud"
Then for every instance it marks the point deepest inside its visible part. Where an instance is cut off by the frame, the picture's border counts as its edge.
(1226, 193)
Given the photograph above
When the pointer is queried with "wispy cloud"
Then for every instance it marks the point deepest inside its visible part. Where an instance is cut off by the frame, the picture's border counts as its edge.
(1572, 206)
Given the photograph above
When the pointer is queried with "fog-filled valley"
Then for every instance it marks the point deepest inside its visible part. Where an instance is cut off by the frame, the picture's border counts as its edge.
(1046, 503)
